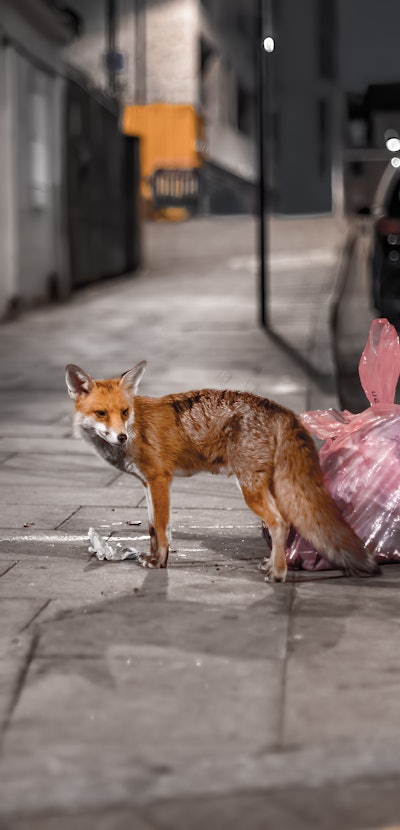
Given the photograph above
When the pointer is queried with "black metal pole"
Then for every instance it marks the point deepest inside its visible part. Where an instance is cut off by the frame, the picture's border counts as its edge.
(111, 14)
(262, 236)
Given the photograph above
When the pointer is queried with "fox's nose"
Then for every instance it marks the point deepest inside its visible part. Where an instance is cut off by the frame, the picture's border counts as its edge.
(122, 437)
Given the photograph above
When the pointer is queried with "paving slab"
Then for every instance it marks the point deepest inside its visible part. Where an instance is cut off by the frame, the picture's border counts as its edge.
(40, 516)
(6, 562)
(117, 819)
(33, 576)
(106, 519)
(356, 806)
(58, 470)
(113, 654)
(4, 456)
(28, 401)
(16, 617)
(21, 546)
(15, 652)
(46, 445)
(121, 493)
(24, 429)
(347, 656)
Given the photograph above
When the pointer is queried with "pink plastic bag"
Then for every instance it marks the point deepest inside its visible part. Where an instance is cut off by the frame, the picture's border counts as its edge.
(360, 458)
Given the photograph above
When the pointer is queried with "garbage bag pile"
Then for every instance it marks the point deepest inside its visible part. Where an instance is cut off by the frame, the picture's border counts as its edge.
(360, 457)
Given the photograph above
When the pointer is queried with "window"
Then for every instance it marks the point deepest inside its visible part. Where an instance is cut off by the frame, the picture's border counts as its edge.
(206, 53)
(39, 162)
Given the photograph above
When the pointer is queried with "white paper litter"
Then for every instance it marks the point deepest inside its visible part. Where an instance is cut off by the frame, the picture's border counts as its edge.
(105, 550)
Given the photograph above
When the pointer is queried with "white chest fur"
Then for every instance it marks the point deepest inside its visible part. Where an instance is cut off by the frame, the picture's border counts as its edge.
(114, 454)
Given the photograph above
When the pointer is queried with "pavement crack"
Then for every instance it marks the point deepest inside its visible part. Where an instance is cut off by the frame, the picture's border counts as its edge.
(281, 717)
(19, 685)
(35, 616)
(9, 568)
(114, 479)
(74, 512)
(8, 457)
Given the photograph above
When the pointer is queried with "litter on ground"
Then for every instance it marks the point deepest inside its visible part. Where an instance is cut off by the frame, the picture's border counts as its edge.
(106, 550)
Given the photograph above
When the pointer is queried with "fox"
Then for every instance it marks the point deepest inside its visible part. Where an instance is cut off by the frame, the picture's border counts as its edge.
(236, 433)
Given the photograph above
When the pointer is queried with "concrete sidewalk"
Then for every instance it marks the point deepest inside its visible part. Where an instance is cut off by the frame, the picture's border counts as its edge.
(198, 696)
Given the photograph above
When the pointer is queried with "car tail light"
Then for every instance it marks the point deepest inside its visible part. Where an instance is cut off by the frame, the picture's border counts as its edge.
(385, 226)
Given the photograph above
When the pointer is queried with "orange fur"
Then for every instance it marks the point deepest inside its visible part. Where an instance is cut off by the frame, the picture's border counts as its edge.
(236, 433)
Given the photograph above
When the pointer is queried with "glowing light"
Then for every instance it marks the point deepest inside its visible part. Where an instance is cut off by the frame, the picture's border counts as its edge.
(269, 44)
(395, 161)
(393, 144)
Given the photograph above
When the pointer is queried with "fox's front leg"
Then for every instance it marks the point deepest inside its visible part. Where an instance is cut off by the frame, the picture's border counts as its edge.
(150, 513)
(158, 506)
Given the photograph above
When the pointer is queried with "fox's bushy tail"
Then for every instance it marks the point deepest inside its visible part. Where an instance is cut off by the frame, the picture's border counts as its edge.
(304, 502)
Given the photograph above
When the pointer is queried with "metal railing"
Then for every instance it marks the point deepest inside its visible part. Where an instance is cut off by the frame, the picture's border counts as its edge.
(176, 188)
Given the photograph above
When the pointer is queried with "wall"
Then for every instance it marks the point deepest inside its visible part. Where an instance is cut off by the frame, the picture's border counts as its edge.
(158, 40)
(87, 51)
(230, 65)
(172, 52)
(32, 233)
(305, 113)
(369, 43)
(36, 183)
(8, 238)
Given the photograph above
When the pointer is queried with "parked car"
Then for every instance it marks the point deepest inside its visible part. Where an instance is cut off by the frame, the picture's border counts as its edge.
(386, 246)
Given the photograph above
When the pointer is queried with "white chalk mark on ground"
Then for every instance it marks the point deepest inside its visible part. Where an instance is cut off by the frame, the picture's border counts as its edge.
(62, 537)
(83, 537)
(218, 527)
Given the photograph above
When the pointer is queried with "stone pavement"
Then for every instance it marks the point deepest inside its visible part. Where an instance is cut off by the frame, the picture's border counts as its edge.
(197, 696)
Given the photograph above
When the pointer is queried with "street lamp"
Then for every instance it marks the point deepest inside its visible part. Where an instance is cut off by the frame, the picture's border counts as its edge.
(263, 44)
(269, 44)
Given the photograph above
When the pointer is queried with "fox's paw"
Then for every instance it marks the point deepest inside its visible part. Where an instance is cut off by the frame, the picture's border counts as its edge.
(152, 560)
(275, 577)
(271, 575)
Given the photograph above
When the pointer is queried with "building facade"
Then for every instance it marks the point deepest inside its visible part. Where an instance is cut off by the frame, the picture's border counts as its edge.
(304, 106)
(183, 52)
(69, 209)
(32, 217)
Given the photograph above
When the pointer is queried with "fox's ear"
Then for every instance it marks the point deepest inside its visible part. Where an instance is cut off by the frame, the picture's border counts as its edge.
(130, 380)
(78, 382)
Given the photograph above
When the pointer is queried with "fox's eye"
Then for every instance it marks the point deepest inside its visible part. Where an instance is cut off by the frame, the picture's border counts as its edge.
(100, 413)
(125, 413)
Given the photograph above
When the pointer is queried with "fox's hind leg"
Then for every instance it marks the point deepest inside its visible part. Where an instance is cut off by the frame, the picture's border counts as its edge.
(262, 502)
